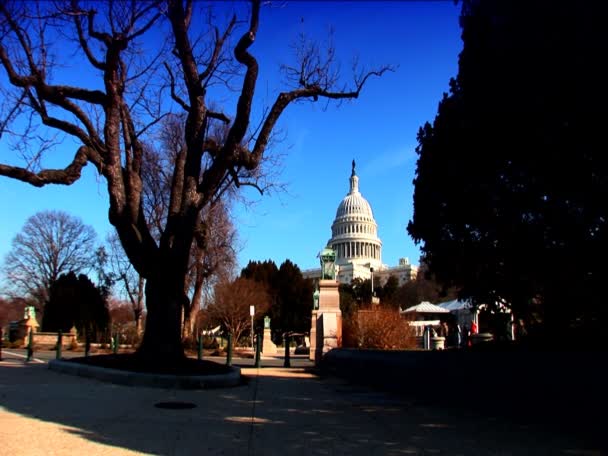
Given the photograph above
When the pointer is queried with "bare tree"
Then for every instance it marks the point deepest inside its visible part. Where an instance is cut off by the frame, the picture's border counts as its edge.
(50, 243)
(213, 263)
(131, 283)
(213, 255)
(121, 317)
(110, 120)
(11, 309)
(230, 307)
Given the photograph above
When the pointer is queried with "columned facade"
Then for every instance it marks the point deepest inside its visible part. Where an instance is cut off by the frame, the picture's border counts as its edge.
(354, 238)
(355, 235)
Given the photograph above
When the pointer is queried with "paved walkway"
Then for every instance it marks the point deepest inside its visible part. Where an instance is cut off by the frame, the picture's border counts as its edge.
(278, 411)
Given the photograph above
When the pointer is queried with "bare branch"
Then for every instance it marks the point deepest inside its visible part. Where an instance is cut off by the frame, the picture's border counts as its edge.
(218, 115)
(65, 176)
(103, 37)
(219, 43)
(243, 110)
(250, 161)
(23, 41)
(83, 42)
(12, 113)
(146, 27)
(174, 94)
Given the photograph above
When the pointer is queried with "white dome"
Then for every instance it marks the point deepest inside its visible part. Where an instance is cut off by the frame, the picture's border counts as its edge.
(354, 204)
(354, 231)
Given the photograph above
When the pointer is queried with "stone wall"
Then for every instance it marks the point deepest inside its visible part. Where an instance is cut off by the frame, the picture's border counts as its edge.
(50, 339)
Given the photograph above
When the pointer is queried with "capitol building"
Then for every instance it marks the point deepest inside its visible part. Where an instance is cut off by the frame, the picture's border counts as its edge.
(354, 238)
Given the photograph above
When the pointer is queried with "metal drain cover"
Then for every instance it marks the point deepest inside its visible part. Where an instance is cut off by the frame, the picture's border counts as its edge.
(175, 405)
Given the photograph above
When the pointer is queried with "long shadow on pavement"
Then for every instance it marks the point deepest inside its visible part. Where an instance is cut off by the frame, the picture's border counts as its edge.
(275, 412)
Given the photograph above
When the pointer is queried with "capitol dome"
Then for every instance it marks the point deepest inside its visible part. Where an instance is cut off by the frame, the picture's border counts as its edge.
(355, 231)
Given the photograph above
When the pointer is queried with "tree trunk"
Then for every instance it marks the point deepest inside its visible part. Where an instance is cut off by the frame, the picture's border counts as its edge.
(139, 307)
(162, 341)
(188, 327)
(192, 309)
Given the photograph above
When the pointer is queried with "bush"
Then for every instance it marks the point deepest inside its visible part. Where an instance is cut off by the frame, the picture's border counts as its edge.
(382, 329)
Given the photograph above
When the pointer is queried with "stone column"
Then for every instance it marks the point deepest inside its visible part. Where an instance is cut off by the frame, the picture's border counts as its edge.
(268, 346)
(313, 336)
(329, 319)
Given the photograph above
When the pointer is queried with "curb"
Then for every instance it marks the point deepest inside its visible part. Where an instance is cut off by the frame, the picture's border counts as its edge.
(120, 377)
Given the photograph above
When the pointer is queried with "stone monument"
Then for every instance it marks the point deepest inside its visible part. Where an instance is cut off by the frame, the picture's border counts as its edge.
(29, 320)
(313, 325)
(268, 346)
(329, 316)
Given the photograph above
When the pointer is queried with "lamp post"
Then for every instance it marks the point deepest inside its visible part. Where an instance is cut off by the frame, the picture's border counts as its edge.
(252, 313)
(371, 270)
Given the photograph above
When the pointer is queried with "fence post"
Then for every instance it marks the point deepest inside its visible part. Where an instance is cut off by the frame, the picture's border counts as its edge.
(115, 343)
(87, 342)
(200, 347)
(30, 345)
(229, 352)
(59, 343)
(258, 350)
(287, 361)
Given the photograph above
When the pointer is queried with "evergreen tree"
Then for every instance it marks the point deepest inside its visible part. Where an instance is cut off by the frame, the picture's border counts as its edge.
(512, 177)
(290, 295)
(75, 301)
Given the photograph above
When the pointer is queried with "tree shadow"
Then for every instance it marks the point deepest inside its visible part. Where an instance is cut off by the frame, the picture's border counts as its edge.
(272, 413)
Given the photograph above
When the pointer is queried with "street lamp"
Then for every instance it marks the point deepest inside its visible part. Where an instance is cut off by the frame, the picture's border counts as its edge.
(252, 313)
(372, 272)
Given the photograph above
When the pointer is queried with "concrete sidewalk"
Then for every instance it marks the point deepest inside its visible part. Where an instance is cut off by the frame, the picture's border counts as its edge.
(278, 411)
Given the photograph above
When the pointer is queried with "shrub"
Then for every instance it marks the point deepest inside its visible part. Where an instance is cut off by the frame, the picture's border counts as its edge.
(382, 329)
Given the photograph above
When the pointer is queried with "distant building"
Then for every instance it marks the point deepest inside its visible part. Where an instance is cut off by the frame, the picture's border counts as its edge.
(354, 238)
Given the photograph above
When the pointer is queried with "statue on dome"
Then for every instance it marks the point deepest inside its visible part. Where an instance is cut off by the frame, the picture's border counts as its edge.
(353, 173)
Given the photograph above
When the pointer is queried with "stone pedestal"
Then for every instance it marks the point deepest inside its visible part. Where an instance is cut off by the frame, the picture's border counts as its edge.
(268, 346)
(32, 325)
(23, 328)
(313, 336)
(437, 343)
(329, 319)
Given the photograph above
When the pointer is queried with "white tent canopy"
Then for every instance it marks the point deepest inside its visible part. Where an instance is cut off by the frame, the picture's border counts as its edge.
(211, 332)
(455, 305)
(426, 307)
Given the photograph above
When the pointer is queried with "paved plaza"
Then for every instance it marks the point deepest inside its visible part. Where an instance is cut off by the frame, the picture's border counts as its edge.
(275, 411)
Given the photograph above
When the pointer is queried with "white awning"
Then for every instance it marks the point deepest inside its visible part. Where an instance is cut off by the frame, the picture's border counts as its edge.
(455, 305)
(426, 307)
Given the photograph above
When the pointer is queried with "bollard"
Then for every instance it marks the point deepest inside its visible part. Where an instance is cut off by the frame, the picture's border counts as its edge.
(87, 343)
(59, 342)
(286, 362)
(229, 352)
(258, 350)
(30, 346)
(200, 347)
(115, 343)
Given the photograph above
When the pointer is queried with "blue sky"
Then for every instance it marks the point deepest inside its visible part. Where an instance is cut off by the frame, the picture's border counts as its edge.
(378, 130)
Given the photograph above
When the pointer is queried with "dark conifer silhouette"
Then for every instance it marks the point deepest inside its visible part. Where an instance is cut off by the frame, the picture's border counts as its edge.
(512, 177)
